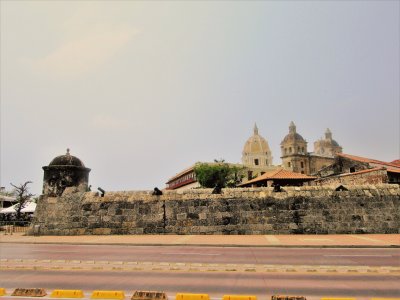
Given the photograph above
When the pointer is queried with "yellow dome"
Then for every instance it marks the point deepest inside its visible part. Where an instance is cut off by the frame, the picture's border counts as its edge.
(256, 144)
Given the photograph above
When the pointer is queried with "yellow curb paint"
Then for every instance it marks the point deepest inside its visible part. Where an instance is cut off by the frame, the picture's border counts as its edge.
(2, 291)
(67, 294)
(239, 297)
(182, 296)
(108, 295)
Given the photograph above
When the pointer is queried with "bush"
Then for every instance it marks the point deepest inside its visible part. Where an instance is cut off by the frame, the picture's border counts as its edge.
(217, 174)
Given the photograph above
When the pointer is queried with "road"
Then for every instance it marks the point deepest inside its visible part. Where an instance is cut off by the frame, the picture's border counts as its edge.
(242, 255)
(132, 268)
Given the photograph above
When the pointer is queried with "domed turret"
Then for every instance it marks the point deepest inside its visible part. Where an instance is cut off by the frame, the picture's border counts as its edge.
(327, 147)
(256, 151)
(294, 151)
(292, 136)
(66, 160)
(62, 172)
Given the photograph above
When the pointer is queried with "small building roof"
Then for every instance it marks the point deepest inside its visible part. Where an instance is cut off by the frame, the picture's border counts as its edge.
(280, 174)
(370, 161)
(184, 172)
(29, 207)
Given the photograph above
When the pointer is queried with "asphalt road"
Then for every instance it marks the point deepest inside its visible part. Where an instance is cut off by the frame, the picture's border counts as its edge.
(242, 255)
(218, 283)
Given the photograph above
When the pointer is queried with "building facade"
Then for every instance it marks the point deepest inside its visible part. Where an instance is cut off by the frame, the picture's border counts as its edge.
(257, 158)
(296, 158)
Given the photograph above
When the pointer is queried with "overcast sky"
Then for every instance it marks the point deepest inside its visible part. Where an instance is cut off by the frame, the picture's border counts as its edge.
(141, 90)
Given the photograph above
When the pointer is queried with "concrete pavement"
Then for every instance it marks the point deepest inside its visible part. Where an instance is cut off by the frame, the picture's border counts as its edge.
(334, 240)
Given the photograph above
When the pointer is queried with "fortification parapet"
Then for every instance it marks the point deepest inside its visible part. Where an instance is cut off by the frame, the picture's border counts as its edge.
(309, 209)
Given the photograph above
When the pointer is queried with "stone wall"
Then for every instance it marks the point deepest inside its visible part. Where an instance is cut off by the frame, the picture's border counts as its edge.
(297, 210)
(374, 176)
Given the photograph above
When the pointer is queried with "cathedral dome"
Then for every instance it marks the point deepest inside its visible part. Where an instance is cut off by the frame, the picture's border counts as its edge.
(66, 160)
(256, 152)
(292, 136)
(256, 144)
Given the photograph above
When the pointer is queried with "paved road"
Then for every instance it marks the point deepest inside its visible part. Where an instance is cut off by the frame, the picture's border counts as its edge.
(225, 255)
(362, 285)
(216, 284)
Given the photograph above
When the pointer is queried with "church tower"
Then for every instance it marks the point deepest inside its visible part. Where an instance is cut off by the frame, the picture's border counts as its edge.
(327, 147)
(256, 152)
(294, 152)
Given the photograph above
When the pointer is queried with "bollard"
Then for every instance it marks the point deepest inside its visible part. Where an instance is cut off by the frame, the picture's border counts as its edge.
(184, 296)
(149, 295)
(67, 294)
(29, 292)
(285, 297)
(239, 297)
(108, 295)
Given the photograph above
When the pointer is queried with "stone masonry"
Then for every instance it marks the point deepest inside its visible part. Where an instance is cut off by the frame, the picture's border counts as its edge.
(296, 210)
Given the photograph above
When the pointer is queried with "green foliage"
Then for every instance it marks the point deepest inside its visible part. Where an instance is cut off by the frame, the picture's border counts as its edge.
(217, 174)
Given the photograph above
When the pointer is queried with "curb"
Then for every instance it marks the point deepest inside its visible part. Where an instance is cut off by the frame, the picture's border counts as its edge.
(198, 245)
(78, 265)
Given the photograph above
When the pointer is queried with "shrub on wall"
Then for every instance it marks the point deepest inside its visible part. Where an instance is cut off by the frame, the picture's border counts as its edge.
(217, 174)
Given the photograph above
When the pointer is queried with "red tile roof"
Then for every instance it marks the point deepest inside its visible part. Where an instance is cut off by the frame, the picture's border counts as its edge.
(280, 174)
(396, 162)
(184, 172)
(362, 171)
(369, 160)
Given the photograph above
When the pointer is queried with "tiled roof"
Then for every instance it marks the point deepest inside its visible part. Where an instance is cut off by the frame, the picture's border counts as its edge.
(393, 170)
(362, 171)
(369, 160)
(280, 174)
(396, 162)
(185, 171)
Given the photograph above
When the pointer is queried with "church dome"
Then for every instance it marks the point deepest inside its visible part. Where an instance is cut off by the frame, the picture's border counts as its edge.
(66, 160)
(292, 136)
(256, 144)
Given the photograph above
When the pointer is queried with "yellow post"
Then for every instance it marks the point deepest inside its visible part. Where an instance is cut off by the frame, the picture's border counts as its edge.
(67, 294)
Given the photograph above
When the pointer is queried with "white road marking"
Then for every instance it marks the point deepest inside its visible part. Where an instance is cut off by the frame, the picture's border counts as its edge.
(357, 255)
(58, 251)
(203, 254)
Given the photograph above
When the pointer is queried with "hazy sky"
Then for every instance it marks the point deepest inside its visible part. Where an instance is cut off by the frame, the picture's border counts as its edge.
(141, 90)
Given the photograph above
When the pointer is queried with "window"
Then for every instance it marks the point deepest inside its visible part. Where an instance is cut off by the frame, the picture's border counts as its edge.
(288, 164)
(256, 161)
(262, 173)
(249, 175)
(290, 150)
(352, 169)
(302, 164)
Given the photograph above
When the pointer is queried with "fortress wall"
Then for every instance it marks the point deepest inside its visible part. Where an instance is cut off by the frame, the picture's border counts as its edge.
(311, 209)
(369, 177)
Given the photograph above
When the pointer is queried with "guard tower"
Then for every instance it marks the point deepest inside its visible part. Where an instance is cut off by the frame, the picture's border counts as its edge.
(62, 172)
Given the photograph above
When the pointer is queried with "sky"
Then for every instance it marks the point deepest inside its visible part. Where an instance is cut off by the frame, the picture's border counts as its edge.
(141, 90)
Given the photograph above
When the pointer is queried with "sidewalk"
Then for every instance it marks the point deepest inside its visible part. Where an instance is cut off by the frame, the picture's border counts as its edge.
(337, 240)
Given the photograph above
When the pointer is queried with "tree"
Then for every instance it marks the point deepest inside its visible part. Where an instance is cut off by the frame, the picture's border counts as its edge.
(22, 196)
(217, 175)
